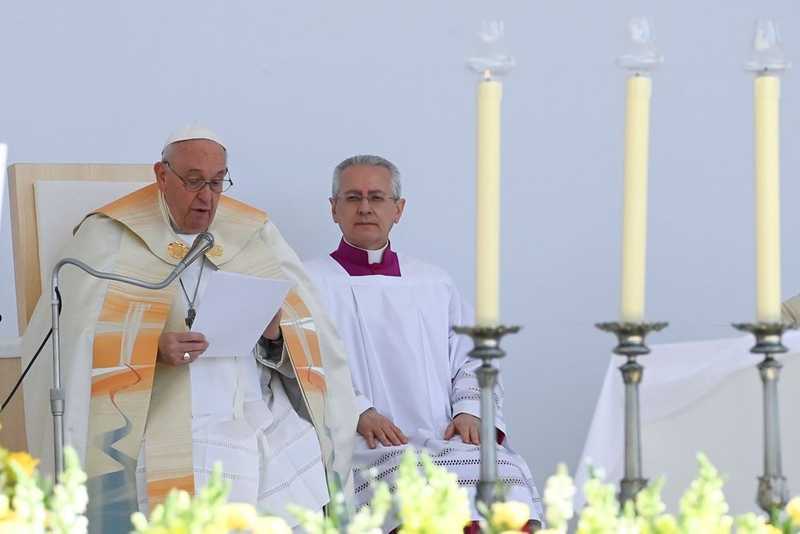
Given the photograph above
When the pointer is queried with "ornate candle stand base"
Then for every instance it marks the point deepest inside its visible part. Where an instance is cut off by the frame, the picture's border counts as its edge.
(487, 348)
(773, 491)
(630, 343)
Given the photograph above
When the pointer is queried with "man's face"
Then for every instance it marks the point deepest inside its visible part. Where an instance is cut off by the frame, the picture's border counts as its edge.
(196, 159)
(365, 209)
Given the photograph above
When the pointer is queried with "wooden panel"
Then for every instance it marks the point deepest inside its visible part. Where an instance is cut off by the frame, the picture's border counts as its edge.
(12, 435)
(25, 240)
(23, 217)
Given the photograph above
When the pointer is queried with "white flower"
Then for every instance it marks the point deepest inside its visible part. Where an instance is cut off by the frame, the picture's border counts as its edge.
(558, 494)
(432, 501)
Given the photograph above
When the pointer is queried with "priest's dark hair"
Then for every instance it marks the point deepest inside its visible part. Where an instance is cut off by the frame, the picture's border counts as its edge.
(367, 159)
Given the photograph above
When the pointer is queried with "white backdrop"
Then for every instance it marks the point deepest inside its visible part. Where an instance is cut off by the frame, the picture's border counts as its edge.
(295, 87)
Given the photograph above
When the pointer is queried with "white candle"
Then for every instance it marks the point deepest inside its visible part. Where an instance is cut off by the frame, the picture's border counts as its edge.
(766, 90)
(487, 240)
(634, 217)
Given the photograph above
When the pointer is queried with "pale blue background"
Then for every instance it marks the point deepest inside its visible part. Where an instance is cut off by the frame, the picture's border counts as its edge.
(295, 87)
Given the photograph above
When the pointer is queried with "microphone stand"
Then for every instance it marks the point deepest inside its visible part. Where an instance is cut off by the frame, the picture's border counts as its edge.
(202, 243)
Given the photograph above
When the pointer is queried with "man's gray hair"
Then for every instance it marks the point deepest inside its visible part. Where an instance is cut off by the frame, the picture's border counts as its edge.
(367, 159)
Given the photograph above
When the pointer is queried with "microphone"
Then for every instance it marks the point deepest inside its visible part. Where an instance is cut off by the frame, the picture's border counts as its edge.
(202, 244)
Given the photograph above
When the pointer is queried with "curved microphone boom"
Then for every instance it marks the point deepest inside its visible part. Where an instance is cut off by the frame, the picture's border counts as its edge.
(202, 244)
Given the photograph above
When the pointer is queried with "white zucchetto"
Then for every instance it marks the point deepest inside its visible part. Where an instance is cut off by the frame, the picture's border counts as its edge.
(193, 132)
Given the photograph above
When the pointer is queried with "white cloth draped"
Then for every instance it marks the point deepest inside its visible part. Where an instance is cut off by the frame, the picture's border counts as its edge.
(685, 385)
(408, 364)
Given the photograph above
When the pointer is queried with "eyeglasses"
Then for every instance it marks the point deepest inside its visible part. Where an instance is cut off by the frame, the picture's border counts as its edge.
(374, 199)
(196, 183)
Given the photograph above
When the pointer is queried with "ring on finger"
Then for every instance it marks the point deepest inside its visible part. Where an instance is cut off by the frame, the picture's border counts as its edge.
(186, 356)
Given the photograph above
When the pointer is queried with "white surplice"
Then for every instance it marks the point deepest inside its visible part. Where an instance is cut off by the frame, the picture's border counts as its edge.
(407, 363)
(242, 418)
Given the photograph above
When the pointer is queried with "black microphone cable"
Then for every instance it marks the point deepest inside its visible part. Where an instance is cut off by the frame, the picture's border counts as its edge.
(30, 364)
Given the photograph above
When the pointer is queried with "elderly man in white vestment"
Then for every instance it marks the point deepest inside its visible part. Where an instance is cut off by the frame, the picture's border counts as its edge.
(415, 384)
(145, 409)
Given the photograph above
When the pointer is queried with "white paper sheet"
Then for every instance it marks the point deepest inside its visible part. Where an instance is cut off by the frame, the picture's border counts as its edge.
(235, 310)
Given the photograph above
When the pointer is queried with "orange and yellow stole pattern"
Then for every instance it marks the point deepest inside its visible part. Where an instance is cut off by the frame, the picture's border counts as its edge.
(303, 346)
(123, 368)
(124, 352)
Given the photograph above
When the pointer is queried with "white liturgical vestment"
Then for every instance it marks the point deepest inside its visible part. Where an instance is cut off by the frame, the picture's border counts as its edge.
(142, 428)
(242, 418)
(407, 363)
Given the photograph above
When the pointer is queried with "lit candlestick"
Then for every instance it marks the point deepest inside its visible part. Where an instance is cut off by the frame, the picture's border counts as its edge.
(491, 62)
(767, 62)
(641, 59)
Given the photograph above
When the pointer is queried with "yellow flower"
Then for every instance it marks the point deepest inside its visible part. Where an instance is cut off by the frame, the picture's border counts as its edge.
(773, 530)
(11, 524)
(511, 515)
(24, 461)
(213, 528)
(793, 509)
(271, 525)
(239, 516)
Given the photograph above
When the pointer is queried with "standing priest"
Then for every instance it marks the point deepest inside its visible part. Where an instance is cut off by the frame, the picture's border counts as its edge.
(145, 409)
(415, 384)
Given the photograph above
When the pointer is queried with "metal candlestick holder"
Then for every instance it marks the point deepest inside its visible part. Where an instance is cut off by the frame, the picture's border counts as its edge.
(630, 343)
(487, 348)
(773, 490)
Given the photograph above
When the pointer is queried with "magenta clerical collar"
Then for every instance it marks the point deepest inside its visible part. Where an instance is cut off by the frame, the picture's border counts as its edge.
(356, 261)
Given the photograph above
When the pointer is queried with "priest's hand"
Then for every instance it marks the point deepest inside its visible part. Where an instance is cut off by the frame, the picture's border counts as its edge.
(465, 425)
(376, 427)
(174, 346)
(273, 329)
